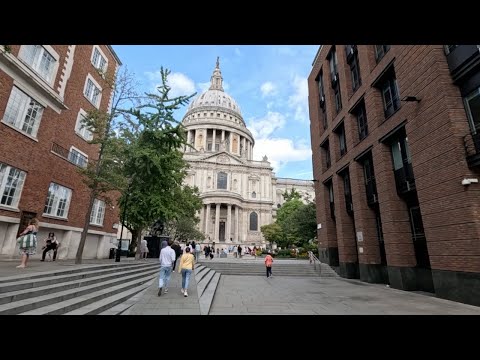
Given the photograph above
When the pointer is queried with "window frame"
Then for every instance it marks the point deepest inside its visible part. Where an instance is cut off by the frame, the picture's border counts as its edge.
(101, 54)
(95, 85)
(221, 173)
(56, 202)
(96, 210)
(390, 84)
(355, 69)
(35, 66)
(253, 215)
(381, 52)
(74, 160)
(22, 113)
(17, 191)
(475, 128)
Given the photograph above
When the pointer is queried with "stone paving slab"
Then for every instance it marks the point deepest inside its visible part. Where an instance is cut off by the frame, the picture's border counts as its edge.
(171, 303)
(324, 296)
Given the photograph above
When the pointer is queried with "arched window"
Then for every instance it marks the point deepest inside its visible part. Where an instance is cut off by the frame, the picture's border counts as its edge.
(254, 195)
(222, 180)
(253, 221)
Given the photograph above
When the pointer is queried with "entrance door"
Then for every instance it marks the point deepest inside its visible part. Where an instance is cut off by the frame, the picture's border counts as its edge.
(221, 233)
(25, 219)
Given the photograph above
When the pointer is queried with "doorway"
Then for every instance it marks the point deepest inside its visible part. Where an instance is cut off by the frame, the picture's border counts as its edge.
(221, 233)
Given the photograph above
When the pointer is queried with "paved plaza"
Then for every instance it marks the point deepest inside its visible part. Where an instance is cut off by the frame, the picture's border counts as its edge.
(254, 295)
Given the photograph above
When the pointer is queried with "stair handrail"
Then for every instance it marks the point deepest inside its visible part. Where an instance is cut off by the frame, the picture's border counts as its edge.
(313, 260)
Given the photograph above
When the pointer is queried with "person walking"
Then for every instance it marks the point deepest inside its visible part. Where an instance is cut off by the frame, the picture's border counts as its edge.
(167, 257)
(178, 252)
(268, 264)
(28, 242)
(198, 250)
(144, 249)
(187, 265)
(51, 243)
(239, 249)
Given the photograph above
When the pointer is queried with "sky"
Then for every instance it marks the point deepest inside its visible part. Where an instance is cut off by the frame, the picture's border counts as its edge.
(268, 82)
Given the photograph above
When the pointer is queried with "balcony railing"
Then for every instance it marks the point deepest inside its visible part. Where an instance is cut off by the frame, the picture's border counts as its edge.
(472, 149)
(72, 156)
(404, 179)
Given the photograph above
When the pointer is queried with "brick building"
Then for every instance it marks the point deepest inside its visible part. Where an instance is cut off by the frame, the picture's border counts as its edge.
(396, 158)
(44, 91)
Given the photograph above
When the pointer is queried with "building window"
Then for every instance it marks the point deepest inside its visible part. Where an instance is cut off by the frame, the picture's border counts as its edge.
(321, 91)
(361, 114)
(253, 221)
(338, 98)
(347, 190)
(333, 63)
(77, 157)
(209, 146)
(326, 151)
(222, 180)
(380, 51)
(40, 60)
(23, 112)
(355, 72)
(217, 147)
(331, 199)
(449, 48)
(58, 201)
(387, 84)
(92, 91)
(11, 185)
(402, 165)
(340, 130)
(98, 212)
(99, 60)
(254, 195)
(370, 184)
(472, 105)
(81, 128)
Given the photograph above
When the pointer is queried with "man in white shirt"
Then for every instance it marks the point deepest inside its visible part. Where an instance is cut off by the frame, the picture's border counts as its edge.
(167, 257)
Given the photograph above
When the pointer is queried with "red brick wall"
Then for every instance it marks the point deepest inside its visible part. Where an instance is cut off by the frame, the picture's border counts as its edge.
(435, 129)
(35, 157)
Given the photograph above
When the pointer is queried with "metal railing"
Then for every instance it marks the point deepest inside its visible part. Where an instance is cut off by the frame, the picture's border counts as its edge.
(314, 260)
(73, 157)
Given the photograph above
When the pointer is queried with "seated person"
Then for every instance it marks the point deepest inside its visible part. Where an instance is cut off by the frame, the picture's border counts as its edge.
(51, 243)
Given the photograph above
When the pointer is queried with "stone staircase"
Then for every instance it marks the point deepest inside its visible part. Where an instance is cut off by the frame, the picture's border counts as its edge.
(86, 290)
(207, 280)
(278, 269)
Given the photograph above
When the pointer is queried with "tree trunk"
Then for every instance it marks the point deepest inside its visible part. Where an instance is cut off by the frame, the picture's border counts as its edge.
(86, 224)
(138, 254)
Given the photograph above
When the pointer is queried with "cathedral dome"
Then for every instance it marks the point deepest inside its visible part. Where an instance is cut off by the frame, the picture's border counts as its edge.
(215, 98)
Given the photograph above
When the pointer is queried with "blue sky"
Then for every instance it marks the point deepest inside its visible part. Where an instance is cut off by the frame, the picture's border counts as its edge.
(268, 82)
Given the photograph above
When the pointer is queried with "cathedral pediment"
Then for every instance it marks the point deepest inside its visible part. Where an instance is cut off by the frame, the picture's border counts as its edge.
(222, 158)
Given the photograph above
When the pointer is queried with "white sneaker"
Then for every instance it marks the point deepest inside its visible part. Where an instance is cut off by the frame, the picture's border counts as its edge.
(185, 293)
(166, 290)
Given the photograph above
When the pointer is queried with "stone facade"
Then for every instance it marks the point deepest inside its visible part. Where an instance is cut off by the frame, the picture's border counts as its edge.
(239, 194)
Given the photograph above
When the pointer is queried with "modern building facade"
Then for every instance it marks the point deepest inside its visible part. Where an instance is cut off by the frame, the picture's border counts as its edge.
(239, 194)
(396, 156)
(45, 90)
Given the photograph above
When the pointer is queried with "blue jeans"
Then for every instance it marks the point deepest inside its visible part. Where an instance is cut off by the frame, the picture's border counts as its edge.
(165, 272)
(186, 278)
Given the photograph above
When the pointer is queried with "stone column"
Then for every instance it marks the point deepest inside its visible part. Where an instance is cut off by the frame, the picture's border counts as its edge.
(194, 139)
(251, 150)
(213, 139)
(208, 220)
(244, 141)
(189, 135)
(237, 217)
(202, 218)
(205, 140)
(229, 222)
(217, 221)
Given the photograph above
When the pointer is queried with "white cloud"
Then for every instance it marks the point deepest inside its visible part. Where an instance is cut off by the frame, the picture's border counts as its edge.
(268, 89)
(281, 151)
(299, 100)
(264, 127)
(180, 83)
(238, 52)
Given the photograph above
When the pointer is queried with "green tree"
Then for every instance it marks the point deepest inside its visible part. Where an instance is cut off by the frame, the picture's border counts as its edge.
(272, 233)
(293, 194)
(153, 163)
(103, 175)
(304, 223)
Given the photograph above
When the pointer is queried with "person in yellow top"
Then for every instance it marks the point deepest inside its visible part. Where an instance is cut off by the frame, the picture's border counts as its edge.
(187, 265)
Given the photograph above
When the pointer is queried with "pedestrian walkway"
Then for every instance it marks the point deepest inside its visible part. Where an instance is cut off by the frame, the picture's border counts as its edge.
(171, 303)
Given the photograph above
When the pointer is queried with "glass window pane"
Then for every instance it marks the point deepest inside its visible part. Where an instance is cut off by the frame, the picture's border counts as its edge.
(397, 155)
(473, 102)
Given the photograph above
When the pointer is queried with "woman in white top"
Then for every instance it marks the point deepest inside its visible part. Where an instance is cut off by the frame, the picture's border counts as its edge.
(144, 249)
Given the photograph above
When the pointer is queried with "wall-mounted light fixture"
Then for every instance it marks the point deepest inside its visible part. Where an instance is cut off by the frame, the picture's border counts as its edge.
(466, 182)
(411, 99)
